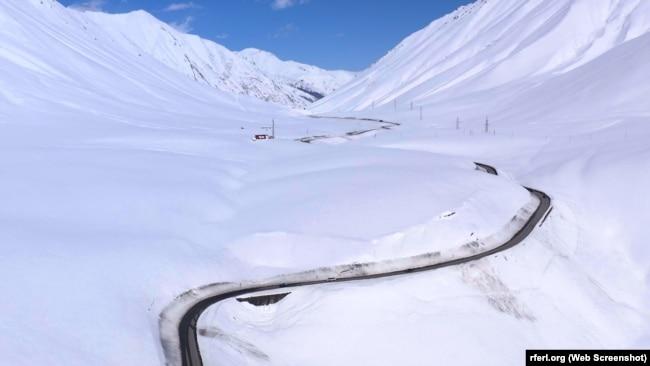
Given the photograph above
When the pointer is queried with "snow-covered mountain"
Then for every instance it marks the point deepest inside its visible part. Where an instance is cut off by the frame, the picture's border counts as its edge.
(310, 79)
(250, 72)
(511, 47)
(124, 183)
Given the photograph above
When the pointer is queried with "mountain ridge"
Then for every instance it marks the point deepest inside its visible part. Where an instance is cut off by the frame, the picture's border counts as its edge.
(207, 62)
(490, 45)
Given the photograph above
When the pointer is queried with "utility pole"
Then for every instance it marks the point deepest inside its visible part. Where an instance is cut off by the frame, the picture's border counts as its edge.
(272, 128)
(487, 125)
(411, 105)
(457, 123)
(420, 113)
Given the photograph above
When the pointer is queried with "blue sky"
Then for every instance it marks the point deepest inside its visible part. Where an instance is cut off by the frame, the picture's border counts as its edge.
(333, 34)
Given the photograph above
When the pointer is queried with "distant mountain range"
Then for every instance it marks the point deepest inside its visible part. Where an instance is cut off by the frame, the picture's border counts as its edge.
(250, 72)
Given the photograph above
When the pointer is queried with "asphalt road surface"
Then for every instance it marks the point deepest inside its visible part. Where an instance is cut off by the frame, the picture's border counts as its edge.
(187, 330)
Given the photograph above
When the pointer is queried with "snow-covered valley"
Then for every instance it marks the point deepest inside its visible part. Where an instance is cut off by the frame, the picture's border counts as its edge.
(125, 183)
(250, 72)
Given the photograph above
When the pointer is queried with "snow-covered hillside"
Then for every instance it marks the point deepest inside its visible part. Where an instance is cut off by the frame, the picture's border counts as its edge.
(565, 85)
(124, 183)
(251, 72)
(310, 79)
(505, 45)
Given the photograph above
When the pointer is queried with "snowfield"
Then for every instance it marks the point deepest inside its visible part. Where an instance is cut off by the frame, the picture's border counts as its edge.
(125, 183)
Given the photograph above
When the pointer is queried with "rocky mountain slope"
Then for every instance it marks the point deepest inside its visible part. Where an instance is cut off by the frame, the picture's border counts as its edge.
(250, 72)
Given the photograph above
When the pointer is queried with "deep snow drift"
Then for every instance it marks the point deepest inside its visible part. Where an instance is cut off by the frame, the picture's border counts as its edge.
(124, 183)
(564, 86)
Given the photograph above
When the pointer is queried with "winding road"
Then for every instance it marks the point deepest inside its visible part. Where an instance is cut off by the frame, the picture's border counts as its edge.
(385, 125)
(190, 354)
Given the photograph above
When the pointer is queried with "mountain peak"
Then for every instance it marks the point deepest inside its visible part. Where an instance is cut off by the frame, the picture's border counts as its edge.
(489, 44)
(250, 72)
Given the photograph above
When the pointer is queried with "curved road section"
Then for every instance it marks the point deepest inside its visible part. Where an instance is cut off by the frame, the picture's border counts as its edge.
(385, 125)
(178, 322)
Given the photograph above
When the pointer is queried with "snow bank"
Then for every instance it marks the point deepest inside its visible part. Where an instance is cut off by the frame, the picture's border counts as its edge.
(125, 183)
(171, 315)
